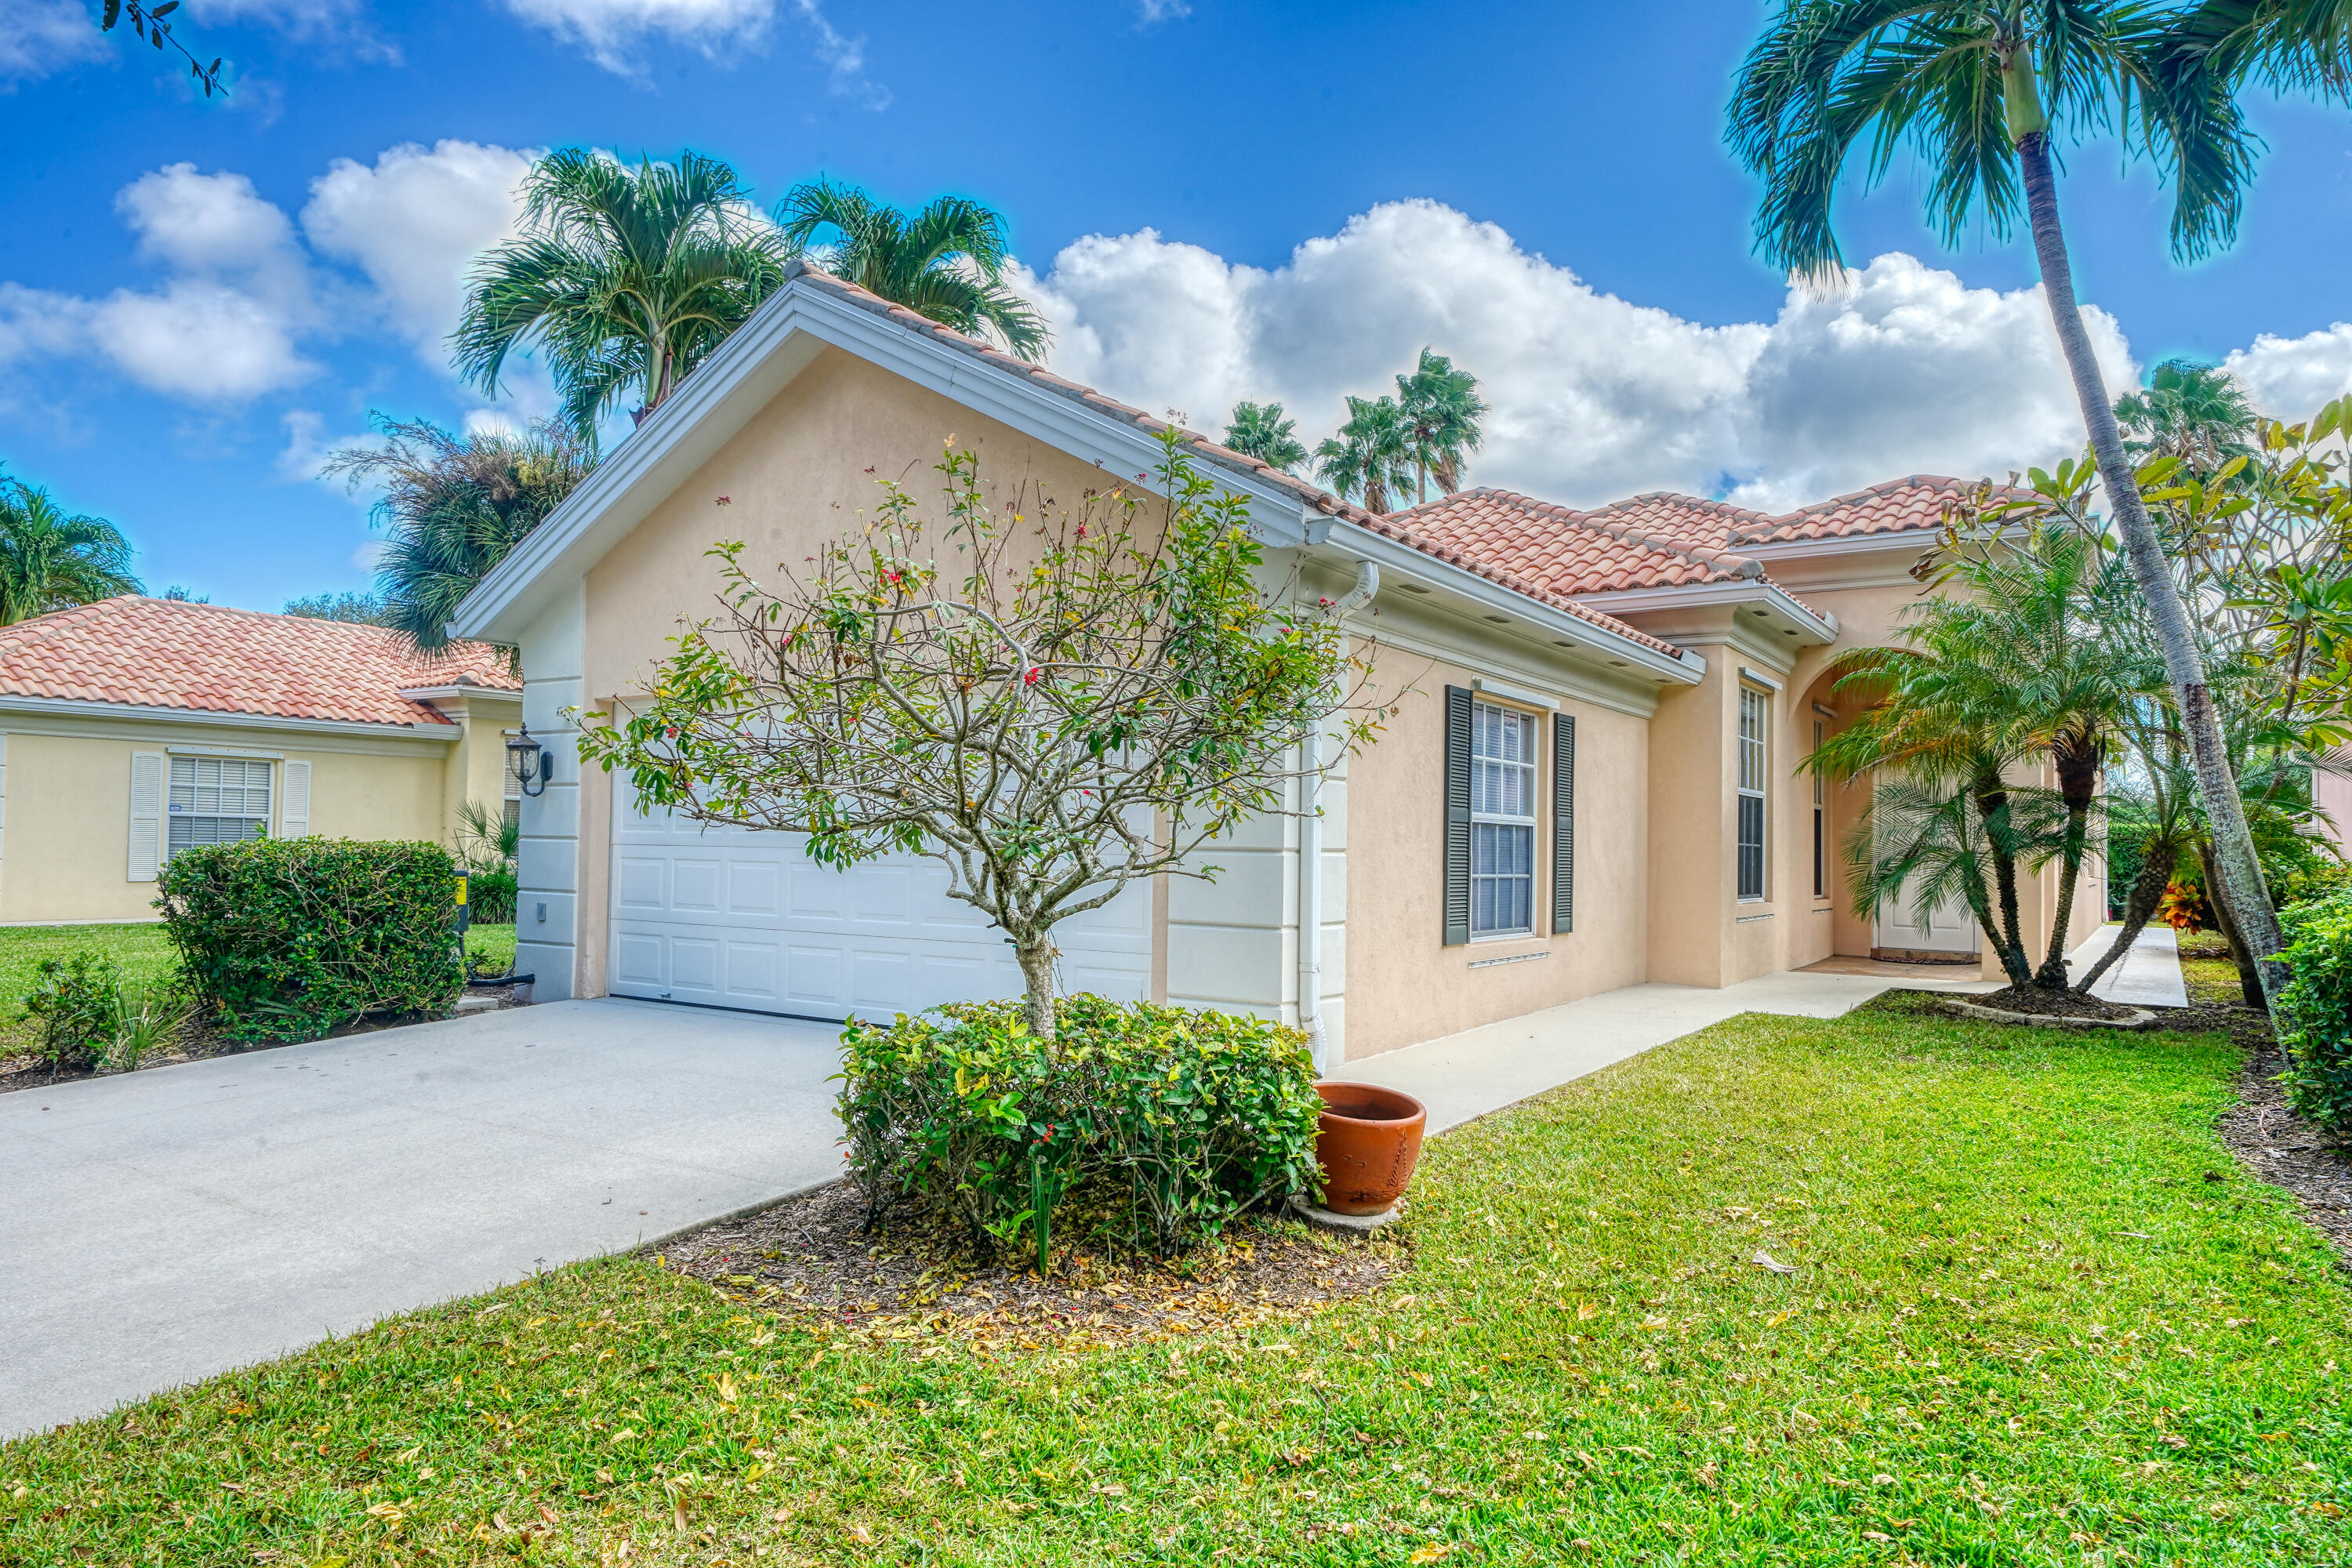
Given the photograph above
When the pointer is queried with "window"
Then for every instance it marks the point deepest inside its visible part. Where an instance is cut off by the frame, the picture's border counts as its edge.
(514, 798)
(216, 800)
(1751, 792)
(1820, 823)
(1502, 821)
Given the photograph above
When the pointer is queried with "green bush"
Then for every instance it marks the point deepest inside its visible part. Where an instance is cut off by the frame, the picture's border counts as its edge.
(491, 892)
(2314, 1010)
(2322, 878)
(89, 1018)
(1178, 1118)
(284, 939)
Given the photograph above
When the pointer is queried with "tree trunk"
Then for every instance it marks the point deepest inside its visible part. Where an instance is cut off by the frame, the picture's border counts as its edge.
(2139, 908)
(1992, 806)
(1036, 958)
(2240, 883)
(2250, 973)
(2078, 785)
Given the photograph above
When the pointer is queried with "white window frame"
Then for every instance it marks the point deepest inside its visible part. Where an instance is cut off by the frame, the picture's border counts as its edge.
(1754, 762)
(1493, 773)
(184, 799)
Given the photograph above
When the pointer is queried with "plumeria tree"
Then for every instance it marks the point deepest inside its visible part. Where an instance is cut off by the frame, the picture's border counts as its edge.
(1053, 706)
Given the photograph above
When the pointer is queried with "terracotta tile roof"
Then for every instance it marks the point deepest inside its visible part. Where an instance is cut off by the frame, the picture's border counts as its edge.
(1394, 526)
(1916, 502)
(1567, 552)
(162, 653)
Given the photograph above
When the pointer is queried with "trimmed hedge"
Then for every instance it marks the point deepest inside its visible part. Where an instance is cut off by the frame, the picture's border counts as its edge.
(2314, 1010)
(286, 938)
(1180, 1119)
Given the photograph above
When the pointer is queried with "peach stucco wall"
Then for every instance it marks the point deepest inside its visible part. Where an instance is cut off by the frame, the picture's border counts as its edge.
(1403, 985)
(794, 476)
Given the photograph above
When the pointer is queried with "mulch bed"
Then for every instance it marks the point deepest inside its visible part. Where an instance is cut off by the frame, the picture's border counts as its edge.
(810, 1259)
(2044, 1003)
(25, 1071)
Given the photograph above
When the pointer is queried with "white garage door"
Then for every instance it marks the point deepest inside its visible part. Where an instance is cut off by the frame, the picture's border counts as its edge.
(738, 918)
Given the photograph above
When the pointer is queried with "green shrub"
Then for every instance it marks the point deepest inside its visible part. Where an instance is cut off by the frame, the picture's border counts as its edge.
(2322, 878)
(491, 890)
(284, 939)
(1179, 1118)
(2314, 1010)
(89, 1018)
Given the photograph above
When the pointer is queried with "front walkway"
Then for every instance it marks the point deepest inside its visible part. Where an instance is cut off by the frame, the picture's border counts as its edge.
(1463, 1076)
(2147, 977)
(169, 1225)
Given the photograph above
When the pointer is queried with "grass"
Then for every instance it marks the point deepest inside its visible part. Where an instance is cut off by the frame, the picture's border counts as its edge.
(144, 955)
(2037, 1316)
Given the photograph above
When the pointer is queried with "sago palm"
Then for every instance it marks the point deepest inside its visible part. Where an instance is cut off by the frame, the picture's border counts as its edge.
(1261, 430)
(1443, 415)
(1979, 89)
(453, 506)
(1371, 456)
(51, 559)
(946, 262)
(623, 280)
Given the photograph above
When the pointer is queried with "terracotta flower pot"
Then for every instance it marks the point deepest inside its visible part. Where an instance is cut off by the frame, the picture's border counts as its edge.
(1369, 1139)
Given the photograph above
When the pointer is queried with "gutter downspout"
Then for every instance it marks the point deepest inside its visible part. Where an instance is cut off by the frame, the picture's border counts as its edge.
(1311, 850)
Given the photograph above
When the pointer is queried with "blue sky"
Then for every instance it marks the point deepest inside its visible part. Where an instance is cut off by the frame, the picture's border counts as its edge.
(1560, 166)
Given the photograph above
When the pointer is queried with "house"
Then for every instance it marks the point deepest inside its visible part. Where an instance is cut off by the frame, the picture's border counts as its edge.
(1594, 782)
(132, 728)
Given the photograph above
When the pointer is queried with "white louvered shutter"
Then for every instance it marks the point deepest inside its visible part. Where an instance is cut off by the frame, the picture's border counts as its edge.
(294, 802)
(146, 815)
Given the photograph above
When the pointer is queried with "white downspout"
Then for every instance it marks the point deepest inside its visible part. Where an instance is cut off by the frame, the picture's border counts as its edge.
(1310, 851)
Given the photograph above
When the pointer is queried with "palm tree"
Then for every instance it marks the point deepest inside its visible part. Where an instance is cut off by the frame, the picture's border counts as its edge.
(1372, 455)
(946, 262)
(623, 279)
(51, 559)
(451, 508)
(1977, 86)
(2194, 413)
(1443, 410)
(1260, 430)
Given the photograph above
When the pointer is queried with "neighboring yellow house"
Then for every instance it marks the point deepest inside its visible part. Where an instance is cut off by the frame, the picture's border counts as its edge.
(1593, 783)
(132, 728)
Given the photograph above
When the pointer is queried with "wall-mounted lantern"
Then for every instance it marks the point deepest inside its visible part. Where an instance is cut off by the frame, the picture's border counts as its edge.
(533, 763)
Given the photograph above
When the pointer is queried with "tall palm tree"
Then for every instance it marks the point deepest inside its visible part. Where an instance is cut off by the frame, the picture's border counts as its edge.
(52, 560)
(2193, 412)
(1371, 456)
(623, 279)
(453, 506)
(1978, 88)
(946, 262)
(1443, 411)
(1261, 430)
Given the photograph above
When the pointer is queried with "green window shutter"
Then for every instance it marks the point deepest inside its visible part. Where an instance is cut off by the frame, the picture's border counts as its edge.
(1563, 823)
(1457, 816)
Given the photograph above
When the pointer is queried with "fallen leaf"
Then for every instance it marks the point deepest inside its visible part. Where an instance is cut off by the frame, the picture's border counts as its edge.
(860, 1534)
(1764, 1259)
(1432, 1553)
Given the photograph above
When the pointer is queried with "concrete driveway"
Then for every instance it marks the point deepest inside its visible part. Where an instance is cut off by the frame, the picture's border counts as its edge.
(166, 1225)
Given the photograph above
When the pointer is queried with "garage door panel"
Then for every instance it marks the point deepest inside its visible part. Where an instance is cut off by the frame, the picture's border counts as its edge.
(742, 917)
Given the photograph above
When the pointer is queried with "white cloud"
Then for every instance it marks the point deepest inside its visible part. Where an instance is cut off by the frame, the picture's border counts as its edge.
(203, 341)
(1150, 11)
(39, 36)
(2291, 378)
(1902, 370)
(846, 57)
(412, 222)
(614, 32)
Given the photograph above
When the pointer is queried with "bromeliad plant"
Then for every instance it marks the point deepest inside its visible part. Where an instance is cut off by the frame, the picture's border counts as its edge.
(1182, 1119)
(1052, 707)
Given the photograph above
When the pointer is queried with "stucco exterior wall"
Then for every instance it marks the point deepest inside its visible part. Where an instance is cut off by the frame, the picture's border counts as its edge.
(68, 806)
(794, 476)
(1403, 985)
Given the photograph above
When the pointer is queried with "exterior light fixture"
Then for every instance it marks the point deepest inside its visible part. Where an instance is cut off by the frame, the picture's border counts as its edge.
(533, 763)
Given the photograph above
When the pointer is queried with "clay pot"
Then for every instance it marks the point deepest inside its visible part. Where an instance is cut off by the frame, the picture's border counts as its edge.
(1368, 1140)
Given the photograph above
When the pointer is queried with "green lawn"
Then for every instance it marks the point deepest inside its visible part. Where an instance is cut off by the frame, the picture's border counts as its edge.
(2038, 1316)
(144, 956)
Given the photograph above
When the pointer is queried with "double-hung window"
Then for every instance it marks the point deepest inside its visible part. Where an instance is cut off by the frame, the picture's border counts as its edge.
(1821, 822)
(1502, 821)
(216, 800)
(1752, 714)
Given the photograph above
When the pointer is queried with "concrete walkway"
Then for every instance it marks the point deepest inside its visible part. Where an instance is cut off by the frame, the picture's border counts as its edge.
(166, 1225)
(1459, 1077)
(2147, 977)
